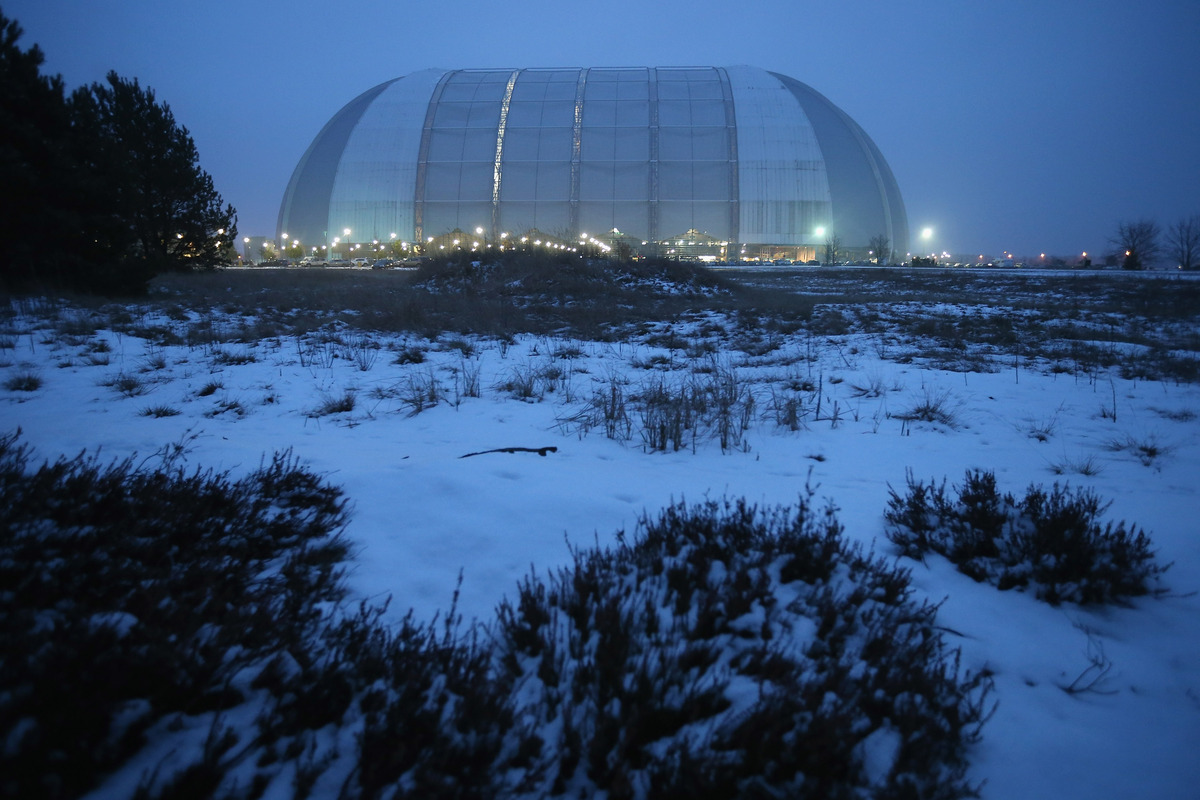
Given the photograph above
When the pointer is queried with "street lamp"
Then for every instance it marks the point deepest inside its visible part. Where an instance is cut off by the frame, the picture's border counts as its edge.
(926, 235)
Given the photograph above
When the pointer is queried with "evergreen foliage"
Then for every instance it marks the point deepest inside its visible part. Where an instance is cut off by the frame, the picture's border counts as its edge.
(163, 210)
(102, 188)
(36, 157)
(132, 594)
(735, 652)
(1051, 541)
(193, 622)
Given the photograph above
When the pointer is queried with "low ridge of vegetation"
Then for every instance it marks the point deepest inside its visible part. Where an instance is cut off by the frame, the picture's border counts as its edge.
(1143, 326)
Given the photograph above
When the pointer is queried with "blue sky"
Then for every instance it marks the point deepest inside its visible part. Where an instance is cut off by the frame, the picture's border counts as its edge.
(1010, 125)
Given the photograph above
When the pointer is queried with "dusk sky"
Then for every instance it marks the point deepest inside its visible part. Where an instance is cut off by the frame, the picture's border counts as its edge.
(1023, 125)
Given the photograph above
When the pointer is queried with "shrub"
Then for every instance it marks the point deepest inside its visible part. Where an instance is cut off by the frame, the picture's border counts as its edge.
(127, 385)
(421, 392)
(607, 409)
(134, 595)
(1052, 541)
(933, 406)
(466, 348)
(522, 382)
(210, 388)
(24, 382)
(231, 358)
(434, 715)
(226, 405)
(334, 404)
(787, 408)
(409, 355)
(670, 414)
(160, 411)
(362, 351)
(154, 360)
(1146, 450)
(735, 652)
(746, 652)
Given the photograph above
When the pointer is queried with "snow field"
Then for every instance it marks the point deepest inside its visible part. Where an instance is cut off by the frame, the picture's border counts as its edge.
(423, 514)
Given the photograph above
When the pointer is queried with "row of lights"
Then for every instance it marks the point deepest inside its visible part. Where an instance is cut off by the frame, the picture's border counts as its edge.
(926, 235)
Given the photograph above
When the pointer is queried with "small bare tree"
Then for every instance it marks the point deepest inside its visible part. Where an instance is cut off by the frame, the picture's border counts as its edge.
(1183, 242)
(833, 248)
(881, 246)
(1137, 243)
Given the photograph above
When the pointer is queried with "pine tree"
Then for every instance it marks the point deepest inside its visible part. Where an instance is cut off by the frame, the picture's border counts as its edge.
(99, 190)
(163, 212)
(36, 165)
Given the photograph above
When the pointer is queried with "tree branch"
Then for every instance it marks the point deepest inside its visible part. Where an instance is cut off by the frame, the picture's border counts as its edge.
(541, 451)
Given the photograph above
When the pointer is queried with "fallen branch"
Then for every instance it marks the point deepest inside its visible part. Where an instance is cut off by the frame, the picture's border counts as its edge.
(541, 451)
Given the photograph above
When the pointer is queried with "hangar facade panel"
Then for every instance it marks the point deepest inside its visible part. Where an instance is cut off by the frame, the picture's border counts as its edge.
(752, 161)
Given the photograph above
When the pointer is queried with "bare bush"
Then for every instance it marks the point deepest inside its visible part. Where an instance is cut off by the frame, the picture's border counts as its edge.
(420, 392)
(343, 403)
(25, 381)
(937, 406)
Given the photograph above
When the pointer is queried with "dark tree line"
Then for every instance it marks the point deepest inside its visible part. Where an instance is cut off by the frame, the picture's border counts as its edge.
(1137, 243)
(100, 188)
(881, 248)
(1141, 243)
(1183, 242)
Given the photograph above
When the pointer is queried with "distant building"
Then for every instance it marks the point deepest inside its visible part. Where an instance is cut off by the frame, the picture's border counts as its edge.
(710, 162)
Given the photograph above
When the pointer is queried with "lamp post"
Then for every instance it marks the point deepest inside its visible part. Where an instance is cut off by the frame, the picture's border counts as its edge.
(926, 235)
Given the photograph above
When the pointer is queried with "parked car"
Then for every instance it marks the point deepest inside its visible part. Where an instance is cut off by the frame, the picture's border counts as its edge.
(360, 262)
(382, 263)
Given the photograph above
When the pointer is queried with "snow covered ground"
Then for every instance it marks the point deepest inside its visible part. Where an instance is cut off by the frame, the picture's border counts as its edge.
(423, 514)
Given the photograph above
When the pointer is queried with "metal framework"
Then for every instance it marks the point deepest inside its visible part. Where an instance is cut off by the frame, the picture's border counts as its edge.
(750, 159)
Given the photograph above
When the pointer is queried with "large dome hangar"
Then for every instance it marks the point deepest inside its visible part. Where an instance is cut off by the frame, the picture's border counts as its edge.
(720, 163)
